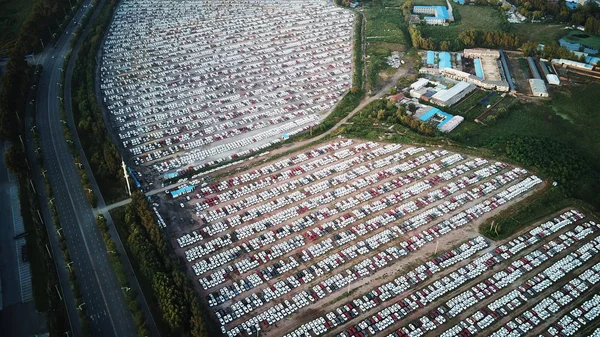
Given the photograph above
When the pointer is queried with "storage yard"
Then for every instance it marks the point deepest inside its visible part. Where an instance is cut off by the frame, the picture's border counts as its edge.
(343, 237)
(190, 84)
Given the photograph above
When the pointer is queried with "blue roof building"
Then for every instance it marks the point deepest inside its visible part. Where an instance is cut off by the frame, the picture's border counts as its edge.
(440, 14)
(478, 68)
(430, 57)
(444, 60)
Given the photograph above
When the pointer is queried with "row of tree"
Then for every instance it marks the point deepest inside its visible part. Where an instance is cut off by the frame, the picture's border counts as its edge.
(385, 112)
(178, 301)
(103, 155)
(587, 14)
(553, 158)
(466, 39)
(551, 50)
(39, 26)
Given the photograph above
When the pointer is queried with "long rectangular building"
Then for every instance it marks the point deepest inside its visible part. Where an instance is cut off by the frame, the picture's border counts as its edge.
(450, 96)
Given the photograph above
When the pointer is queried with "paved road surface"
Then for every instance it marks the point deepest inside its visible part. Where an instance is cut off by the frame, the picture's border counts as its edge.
(103, 297)
(133, 283)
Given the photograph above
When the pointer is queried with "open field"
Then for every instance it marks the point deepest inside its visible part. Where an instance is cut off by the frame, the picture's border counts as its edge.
(241, 80)
(384, 33)
(279, 245)
(12, 15)
(567, 121)
(483, 18)
(577, 36)
(538, 32)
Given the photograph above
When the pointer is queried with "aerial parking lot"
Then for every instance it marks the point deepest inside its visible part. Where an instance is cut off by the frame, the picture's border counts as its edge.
(192, 83)
(356, 238)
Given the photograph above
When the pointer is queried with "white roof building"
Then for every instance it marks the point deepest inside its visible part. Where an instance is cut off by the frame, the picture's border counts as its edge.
(420, 83)
(538, 87)
(450, 96)
(552, 79)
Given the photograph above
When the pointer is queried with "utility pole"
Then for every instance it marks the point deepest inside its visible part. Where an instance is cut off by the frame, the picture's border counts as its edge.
(125, 176)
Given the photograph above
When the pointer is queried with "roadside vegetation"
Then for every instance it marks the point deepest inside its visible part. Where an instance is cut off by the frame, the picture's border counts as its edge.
(102, 154)
(169, 291)
(12, 16)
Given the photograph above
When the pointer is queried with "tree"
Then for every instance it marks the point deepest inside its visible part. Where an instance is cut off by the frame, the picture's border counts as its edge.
(445, 45)
(529, 48)
(381, 114)
(14, 158)
(412, 107)
(389, 105)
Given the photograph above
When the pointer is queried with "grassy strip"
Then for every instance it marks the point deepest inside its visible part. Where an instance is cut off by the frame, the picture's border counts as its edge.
(83, 317)
(103, 156)
(529, 211)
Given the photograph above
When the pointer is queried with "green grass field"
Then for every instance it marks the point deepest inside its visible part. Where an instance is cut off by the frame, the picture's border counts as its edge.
(571, 118)
(484, 18)
(384, 25)
(576, 36)
(12, 15)
(538, 32)
(383, 34)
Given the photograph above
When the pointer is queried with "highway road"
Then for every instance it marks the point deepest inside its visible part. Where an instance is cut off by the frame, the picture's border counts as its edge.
(104, 299)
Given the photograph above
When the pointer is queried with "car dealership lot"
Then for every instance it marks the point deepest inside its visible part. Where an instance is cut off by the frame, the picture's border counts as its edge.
(193, 83)
(315, 241)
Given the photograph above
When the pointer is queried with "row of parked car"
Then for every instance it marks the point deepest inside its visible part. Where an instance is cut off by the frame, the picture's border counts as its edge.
(292, 184)
(538, 284)
(568, 324)
(184, 94)
(474, 212)
(577, 318)
(327, 264)
(325, 246)
(286, 214)
(230, 184)
(500, 280)
(504, 252)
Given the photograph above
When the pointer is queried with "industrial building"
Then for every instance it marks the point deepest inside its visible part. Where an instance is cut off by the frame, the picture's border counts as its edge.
(574, 64)
(538, 87)
(444, 59)
(549, 73)
(441, 15)
(444, 121)
(451, 96)
(534, 72)
(458, 75)
(420, 83)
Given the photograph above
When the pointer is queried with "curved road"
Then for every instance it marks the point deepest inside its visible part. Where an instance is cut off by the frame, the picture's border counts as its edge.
(104, 299)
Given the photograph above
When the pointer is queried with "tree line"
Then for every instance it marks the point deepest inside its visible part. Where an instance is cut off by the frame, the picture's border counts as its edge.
(551, 157)
(466, 39)
(179, 305)
(37, 27)
(587, 15)
(102, 154)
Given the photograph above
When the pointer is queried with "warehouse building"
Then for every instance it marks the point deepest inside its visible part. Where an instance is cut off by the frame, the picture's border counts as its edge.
(538, 87)
(447, 97)
(574, 64)
(458, 75)
(549, 73)
(441, 15)
(533, 67)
